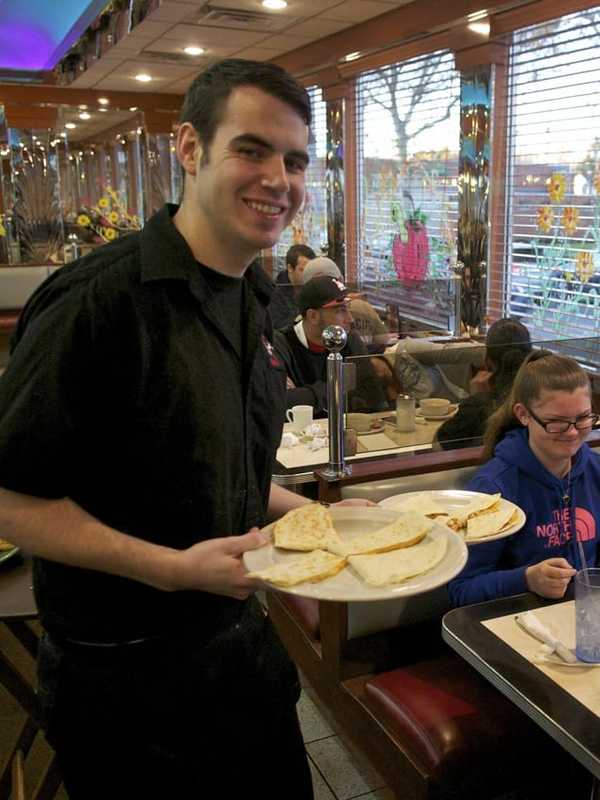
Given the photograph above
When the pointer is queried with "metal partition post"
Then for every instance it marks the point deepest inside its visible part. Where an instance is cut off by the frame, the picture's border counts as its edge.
(334, 339)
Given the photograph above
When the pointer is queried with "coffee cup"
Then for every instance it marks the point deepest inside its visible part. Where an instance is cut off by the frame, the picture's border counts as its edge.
(434, 406)
(299, 417)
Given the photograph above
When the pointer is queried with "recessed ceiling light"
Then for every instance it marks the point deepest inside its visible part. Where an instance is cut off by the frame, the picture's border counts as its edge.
(352, 56)
(133, 108)
(82, 107)
(103, 109)
(70, 125)
(193, 51)
(483, 28)
(104, 101)
(85, 115)
(64, 135)
(274, 5)
(143, 77)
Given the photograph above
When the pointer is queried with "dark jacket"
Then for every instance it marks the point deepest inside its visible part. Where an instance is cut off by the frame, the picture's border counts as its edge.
(497, 569)
(308, 371)
(467, 426)
(283, 306)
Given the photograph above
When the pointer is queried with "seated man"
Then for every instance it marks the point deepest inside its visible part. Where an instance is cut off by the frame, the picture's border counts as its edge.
(284, 302)
(324, 301)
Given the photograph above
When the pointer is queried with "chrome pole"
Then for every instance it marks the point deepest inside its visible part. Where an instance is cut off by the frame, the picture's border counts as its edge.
(334, 339)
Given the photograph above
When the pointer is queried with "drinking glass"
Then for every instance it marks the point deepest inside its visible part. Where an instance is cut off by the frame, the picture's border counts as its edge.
(587, 615)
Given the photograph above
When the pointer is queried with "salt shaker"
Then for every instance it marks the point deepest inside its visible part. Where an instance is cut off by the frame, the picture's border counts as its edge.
(405, 413)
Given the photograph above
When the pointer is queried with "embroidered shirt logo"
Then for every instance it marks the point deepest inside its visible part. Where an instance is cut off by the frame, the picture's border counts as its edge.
(273, 359)
(560, 530)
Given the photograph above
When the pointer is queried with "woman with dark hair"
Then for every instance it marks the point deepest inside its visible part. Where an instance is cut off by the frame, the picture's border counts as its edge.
(507, 345)
(538, 459)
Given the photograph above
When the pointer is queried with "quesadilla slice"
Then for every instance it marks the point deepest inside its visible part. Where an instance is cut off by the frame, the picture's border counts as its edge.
(4, 545)
(405, 531)
(479, 505)
(491, 522)
(387, 569)
(423, 503)
(306, 528)
(310, 568)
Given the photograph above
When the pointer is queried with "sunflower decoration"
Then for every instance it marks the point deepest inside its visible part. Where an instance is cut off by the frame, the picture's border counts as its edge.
(2, 228)
(557, 186)
(570, 220)
(108, 218)
(584, 265)
(596, 181)
(545, 218)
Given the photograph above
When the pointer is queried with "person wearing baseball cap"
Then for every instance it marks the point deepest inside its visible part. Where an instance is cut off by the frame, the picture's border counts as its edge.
(324, 301)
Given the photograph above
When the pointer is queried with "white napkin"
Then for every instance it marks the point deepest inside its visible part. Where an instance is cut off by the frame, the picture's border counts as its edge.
(530, 623)
(317, 443)
(314, 429)
(289, 440)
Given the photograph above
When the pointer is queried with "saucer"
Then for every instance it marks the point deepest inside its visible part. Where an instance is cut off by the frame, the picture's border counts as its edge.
(433, 418)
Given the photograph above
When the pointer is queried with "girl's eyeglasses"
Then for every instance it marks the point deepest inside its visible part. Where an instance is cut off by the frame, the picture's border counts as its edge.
(585, 423)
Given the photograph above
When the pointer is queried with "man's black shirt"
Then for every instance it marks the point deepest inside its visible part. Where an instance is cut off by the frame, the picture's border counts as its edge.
(130, 392)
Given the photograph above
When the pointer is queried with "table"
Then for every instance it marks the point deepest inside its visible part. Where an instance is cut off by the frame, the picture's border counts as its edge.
(565, 719)
(296, 466)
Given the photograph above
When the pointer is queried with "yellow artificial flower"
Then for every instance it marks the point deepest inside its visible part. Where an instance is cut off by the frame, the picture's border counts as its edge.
(568, 277)
(2, 229)
(545, 218)
(569, 219)
(113, 217)
(597, 181)
(584, 266)
(103, 202)
(109, 233)
(84, 220)
(557, 185)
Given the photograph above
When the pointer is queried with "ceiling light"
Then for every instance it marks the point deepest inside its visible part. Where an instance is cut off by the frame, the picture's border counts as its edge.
(70, 125)
(352, 56)
(103, 109)
(104, 101)
(477, 15)
(133, 108)
(64, 135)
(82, 107)
(482, 28)
(85, 115)
(274, 5)
(143, 77)
(193, 51)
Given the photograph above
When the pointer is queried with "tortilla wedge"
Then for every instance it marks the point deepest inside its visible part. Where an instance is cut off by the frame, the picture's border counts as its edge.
(406, 530)
(386, 569)
(478, 505)
(310, 568)
(490, 523)
(309, 527)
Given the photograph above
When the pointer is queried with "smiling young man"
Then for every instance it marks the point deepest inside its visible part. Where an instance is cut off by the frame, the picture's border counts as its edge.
(139, 419)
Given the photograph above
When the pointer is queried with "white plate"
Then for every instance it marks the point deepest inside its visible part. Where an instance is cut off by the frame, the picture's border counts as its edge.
(455, 499)
(433, 418)
(346, 586)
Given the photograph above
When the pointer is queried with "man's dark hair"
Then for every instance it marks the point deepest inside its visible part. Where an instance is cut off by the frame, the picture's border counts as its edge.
(206, 97)
(295, 252)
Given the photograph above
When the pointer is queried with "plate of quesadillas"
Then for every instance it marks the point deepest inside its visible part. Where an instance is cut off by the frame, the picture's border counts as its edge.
(356, 553)
(476, 516)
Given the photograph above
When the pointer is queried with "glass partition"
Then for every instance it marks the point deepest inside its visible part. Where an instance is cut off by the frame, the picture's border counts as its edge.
(439, 395)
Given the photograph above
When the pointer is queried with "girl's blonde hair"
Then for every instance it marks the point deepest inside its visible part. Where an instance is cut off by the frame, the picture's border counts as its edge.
(541, 371)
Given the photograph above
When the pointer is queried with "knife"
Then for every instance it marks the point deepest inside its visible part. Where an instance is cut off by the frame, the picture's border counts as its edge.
(531, 624)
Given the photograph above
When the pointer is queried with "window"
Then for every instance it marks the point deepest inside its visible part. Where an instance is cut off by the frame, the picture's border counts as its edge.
(310, 224)
(408, 131)
(552, 253)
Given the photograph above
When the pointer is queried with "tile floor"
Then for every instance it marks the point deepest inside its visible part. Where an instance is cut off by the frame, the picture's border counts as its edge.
(339, 772)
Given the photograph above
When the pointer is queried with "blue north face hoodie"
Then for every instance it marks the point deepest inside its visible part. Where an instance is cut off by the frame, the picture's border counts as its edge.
(497, 569)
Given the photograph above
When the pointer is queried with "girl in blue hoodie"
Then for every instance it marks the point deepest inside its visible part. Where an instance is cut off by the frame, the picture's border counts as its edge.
(540, 462)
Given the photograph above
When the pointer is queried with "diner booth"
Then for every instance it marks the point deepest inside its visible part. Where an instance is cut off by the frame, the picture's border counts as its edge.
(446, 184)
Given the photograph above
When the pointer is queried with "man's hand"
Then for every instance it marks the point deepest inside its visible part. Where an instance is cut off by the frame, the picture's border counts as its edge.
(480, 382)
(549, 578)
(289, 383)
(216, 566)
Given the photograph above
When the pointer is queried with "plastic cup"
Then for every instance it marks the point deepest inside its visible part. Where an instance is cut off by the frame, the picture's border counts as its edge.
(587, 615)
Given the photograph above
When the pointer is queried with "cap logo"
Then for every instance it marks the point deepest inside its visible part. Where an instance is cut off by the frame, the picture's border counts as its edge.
(339, 284)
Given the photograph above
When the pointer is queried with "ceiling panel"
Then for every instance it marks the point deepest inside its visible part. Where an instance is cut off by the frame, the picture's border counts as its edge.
(174, 12)
(318, 27)
(206, 33)
(357, 10)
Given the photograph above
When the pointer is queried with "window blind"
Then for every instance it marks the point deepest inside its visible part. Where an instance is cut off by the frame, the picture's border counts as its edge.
(552, 252)
(310, 224)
